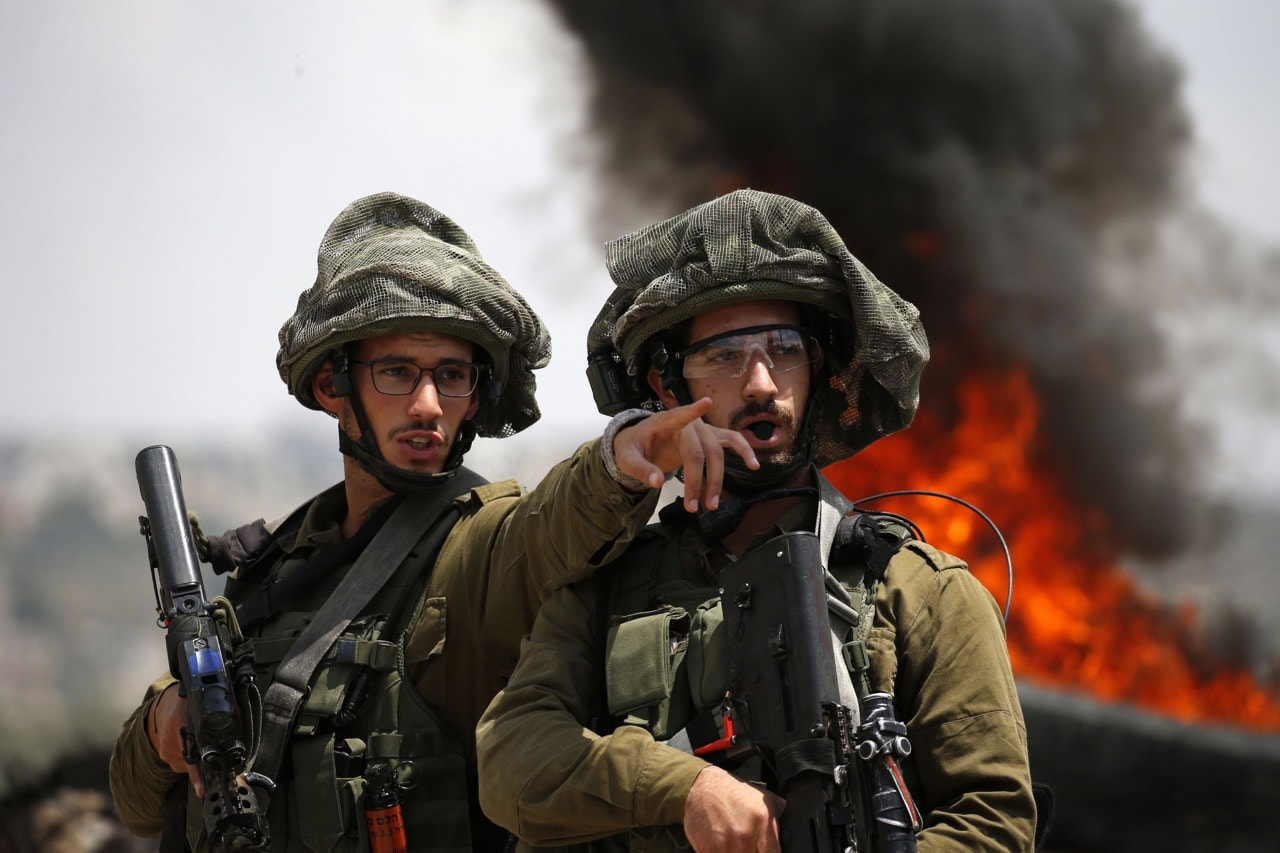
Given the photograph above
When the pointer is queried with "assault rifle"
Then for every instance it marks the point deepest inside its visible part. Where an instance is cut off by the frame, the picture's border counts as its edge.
(838, 774)
(209, 657)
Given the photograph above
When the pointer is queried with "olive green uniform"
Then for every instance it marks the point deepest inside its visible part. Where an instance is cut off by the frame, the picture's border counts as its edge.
(506, 553)
(937, 644)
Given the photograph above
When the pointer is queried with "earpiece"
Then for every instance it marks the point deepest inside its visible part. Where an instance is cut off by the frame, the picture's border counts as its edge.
(608, 383)
(661, 361)
(341, 374)
(658, 358)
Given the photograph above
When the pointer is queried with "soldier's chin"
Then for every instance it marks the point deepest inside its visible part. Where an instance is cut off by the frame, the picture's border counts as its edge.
(777, 463)
(776, 469)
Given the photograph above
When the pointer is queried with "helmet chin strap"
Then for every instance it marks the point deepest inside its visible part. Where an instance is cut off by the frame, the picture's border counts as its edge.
(397, 480)
(720, 522)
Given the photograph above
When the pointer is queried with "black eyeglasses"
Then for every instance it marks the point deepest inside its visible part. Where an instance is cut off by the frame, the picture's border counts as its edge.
(398, 377)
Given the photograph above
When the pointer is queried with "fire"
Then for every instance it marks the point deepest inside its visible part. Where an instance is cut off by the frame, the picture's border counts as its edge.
(1077, 620)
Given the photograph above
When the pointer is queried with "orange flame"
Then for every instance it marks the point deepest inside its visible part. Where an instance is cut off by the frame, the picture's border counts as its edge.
(1077, 620)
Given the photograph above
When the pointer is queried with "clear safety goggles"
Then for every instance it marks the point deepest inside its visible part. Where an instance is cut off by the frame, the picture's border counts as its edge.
(729, 356)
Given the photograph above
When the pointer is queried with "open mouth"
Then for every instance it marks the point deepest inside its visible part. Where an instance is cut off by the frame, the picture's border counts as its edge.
(761, 434)
(420, 446)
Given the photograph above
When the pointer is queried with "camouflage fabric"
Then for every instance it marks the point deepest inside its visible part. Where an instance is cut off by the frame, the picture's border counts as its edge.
(390, 264)
(750, 245)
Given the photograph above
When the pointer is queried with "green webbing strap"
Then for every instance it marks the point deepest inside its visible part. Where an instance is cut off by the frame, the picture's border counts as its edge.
(375, 566)
(832, 507)
(377, 655)
(829, 516)
(320, 821)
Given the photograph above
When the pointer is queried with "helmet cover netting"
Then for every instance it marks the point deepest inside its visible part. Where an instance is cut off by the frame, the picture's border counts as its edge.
(390, 264)
(749, 246)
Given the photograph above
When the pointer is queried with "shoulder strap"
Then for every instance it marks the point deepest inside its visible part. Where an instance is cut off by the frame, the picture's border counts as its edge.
(271, 599)
(374, 567)
(604, 579)
(864, 543)
(248, 543)
(832, 509)
(869, 539)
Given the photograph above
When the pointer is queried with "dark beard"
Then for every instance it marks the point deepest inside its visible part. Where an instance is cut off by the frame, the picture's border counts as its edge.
(777, 465)
(778, 460)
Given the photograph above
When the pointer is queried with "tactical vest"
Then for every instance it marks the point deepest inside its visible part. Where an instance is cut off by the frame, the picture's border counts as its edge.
(662, 655)
(361, 711)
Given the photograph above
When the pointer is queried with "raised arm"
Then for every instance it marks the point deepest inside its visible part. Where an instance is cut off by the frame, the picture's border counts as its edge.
(649, 449)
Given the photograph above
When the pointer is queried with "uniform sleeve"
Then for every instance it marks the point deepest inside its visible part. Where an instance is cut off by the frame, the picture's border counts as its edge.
(954, 688)
(139, 779)
(543, 774)
(576, 520)
(509, 551)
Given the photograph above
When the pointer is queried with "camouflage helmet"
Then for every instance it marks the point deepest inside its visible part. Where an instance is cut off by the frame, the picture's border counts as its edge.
(748, 246)
(390, 264)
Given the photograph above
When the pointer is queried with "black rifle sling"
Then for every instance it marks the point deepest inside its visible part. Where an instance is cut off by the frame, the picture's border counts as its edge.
(173, 832)
(375, 566)
(270, 600)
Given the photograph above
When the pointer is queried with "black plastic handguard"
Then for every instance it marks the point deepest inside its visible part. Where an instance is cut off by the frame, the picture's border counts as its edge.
(836, 765)
(784, 688)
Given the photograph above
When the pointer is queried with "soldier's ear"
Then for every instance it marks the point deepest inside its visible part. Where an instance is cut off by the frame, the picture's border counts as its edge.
(324, 390)
(654, 379)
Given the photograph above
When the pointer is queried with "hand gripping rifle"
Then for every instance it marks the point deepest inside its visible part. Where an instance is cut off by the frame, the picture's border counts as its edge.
(210, 658)
(839, 776)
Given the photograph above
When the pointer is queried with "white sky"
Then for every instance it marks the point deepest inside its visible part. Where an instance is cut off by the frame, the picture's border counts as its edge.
(169, 168)
(1232, 85)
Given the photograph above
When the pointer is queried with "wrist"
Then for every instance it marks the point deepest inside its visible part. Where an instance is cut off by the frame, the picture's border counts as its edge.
(150, 724)
(616, 424)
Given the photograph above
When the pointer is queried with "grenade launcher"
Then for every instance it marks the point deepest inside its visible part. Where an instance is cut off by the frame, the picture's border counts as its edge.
(209, 657)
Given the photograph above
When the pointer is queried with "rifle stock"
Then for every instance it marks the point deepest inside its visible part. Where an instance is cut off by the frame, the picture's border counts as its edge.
(206, 656)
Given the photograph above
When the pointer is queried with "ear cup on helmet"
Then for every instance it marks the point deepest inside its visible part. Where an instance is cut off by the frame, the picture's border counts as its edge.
(660, 359)
(341, 373)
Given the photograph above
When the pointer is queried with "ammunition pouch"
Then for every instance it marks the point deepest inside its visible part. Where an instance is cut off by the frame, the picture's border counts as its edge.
(645, 672)
(708, 658)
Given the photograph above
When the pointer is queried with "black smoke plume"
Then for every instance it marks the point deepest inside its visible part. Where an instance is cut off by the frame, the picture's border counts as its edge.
(974, 153)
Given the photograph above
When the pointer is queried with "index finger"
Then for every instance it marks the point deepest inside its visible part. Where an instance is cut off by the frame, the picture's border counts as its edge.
(681, 416)
(197, 783)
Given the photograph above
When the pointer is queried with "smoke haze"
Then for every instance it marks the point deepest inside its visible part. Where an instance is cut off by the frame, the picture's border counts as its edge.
(977, 155)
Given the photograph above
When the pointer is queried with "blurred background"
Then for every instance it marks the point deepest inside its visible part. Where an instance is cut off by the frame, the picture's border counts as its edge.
(1079, 195)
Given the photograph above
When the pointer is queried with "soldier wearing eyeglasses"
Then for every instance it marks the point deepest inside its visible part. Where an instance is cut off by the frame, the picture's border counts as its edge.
(415, 345)
(630, 722)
